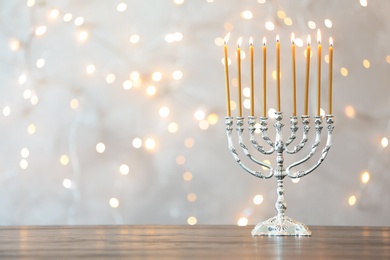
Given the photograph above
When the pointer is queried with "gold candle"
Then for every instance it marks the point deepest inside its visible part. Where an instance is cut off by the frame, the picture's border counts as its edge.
(306, 108)
(264, 77)
(252, 77)
(330, 73)
(227, 74)
(294, 75)
(319, 73)
(278, 71)
(239, 76)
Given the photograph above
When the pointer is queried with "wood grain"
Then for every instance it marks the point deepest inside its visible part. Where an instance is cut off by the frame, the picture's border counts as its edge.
(199, 242)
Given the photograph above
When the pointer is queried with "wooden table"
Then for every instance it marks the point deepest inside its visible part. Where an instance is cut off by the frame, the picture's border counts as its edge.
(188, 242)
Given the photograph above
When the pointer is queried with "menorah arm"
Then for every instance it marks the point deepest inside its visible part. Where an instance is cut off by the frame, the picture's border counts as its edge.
(263, 129)
(325, 150)
(229, 129)
(302, 143)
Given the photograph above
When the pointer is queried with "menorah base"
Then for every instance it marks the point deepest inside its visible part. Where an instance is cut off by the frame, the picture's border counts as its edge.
(281, 226)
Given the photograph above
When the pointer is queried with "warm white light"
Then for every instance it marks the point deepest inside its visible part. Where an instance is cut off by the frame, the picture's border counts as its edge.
(74, 103)
(135, 76)
(322, 112)
(110, 78)
(23, 164)
(6, 111)
(189, 142)
(177, 74)
(124, 169)
(151, 90)
(258, 199)
(150, 143)
(281, 14)
(344, 71)
(366, 64)
(384, 142)
(365, 177)
(90, 69)
(229, 61)
(187, 176)
(178, 36)
(363, 3)
(67, 183)
(288, 21)
(121, 7)
(137, 142)
(41, 30)
(100, 147)
(199, 115)
(246, 92)
(30, 3)
(14, 44)
(350, 111)
(271, 113)
(24, 152)
(296, 180)
(173, 127)
(352, 200)
(242, 222)
(40, 63)
(67, 17)
(328, 23)
(54, 13)
(127, 84)
(27, 93)
(180, 160)
(83, 36)
(135, 38)
(247, 103)
(192, 221)
(212, 119)
(204, 125)
(31, 129)
(22, 79)
(114, 202)
(64, 159)
(247, 15)
(157, 76)
(34, 100)
(269, 26)
(191, 197)
(169, 38)
(312, 25)
(261, 1)
(178, 2)
(298, 42)
(164, 111)
(79, 21)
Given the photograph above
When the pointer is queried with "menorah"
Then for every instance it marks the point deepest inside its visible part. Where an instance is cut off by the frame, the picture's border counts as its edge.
(281, 224)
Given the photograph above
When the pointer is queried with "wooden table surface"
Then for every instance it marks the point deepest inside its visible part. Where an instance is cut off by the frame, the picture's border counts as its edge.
(188, 242)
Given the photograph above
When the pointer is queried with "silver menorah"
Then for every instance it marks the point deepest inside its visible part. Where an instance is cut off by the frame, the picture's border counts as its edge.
(280, 225)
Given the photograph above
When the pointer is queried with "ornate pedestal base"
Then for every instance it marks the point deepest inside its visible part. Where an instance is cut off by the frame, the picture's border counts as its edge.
(281, 226)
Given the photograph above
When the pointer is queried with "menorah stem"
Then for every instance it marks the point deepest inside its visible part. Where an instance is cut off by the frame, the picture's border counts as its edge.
(281, 204)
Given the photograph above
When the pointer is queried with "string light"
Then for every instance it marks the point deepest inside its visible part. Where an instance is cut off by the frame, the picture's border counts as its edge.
(180, 160)
(64, 159)
(67, 183)
(187, 176)
(344, 71)
(350, 111)
(114, 202)
(199, 115)
(352, 200)
(189, 142)
(150, 144)
(135, 38)
(137, 143)
(100, 147)
(384, 142)
(79, 21)
(173, 127)
(365, 177)
(41, 30)
(164, 111)
(192, 221)
(258, 199)
(6, 111)
(366, 63)
(90, 69)
(247, 15)
(242, 222)
(124, 169)
(121, 7)
(191, 197)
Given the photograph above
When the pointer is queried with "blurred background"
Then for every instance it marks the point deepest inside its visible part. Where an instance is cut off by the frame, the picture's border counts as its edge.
(112, 112)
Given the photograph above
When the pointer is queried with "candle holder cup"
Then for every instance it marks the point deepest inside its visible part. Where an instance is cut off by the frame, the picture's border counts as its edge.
(280, 225)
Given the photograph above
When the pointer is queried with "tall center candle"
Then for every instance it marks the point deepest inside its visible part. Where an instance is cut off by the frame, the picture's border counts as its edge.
(319, 73)
(239, 76)
(264, 77)
(226, 59)
(252, 77)
(294, 75)
(306, 108)
(278, 70)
